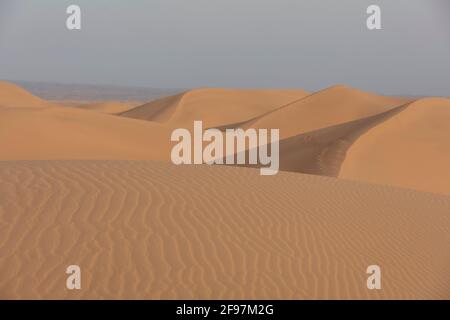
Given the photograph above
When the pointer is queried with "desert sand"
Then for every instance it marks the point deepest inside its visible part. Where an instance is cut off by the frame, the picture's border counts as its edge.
(58, 133)
(151, 230)
(326, 108)
(14, 96)
(215, 107)
(411, 149)
(365, 182)
(109, 107)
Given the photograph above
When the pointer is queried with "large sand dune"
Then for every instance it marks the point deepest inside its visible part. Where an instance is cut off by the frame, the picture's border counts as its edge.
(411, 149)
(329, 107)
(154, 230)
(215, 107)
(323, 151)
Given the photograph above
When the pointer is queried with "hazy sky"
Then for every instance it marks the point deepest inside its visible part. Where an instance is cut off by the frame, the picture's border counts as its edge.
(230, 43)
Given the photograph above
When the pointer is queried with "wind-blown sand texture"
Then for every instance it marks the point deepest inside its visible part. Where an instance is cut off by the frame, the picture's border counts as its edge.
(151, 230)
(95, 187)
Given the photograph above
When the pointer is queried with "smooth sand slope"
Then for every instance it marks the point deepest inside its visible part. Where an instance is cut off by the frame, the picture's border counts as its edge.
(329, 107)
(153, 230)
(14, 96)
(323, 151)
(410, 149)
(56, 133)
(215, 107)
(317, 131)
(107, 107)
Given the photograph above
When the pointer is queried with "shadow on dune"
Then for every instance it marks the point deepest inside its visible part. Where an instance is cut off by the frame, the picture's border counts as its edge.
(321, 152)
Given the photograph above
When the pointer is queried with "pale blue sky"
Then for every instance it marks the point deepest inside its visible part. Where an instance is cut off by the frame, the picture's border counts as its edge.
(230, 43)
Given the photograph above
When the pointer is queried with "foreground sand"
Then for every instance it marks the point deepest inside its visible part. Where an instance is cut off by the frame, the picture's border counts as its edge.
(152, 230)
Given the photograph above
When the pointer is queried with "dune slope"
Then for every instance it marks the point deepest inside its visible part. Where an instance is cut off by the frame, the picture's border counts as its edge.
(215, 107)
(14, 96)
(56, 133)
(107, 107)
(411, 149)
(152, 230)
(323, 151)
(329, 107)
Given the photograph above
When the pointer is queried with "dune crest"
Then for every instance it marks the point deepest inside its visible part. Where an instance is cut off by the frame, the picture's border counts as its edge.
(107, 107)
(323, 151)
(329, 107)
(13, 96)
(215, 107)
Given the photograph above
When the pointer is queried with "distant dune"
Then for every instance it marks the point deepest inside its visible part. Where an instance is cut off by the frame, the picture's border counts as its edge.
(107, 107)
(215, 107)
(94, 93)
(14, 96)
(339, 131)
(151, 230)
(329, 107)
(156, 111)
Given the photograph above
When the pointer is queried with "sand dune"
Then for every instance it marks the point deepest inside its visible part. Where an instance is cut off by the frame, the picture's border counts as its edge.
(329, 107)
(107, 107)
(68, 133)
(339, 131)
(411, 149)
(158, 111)
(215, 107)
(151, 230)
(14, 96)
(323, 151)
